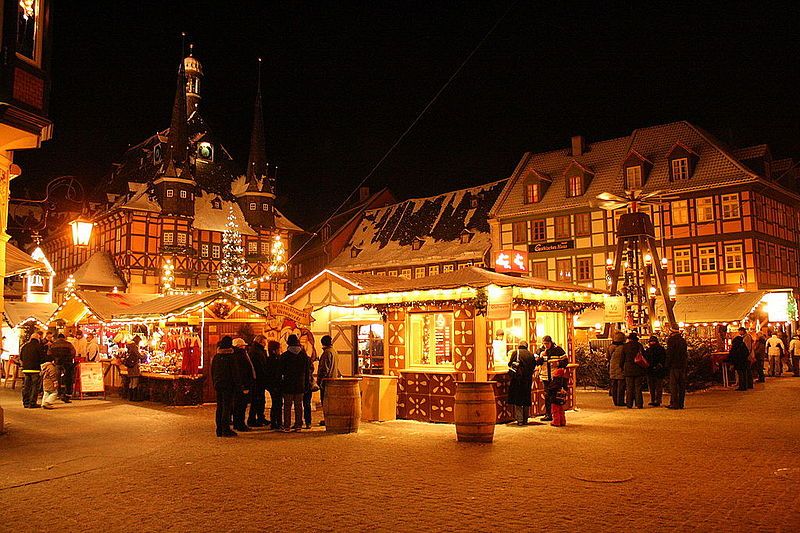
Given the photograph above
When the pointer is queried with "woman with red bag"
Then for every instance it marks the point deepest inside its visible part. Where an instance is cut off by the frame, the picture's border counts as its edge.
(634, 366)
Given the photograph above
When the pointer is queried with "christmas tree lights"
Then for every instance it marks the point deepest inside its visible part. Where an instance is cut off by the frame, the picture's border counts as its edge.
(234, 274)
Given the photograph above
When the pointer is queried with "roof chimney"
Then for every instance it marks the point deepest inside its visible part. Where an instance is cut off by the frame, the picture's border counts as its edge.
(363, 194)
(578, 145)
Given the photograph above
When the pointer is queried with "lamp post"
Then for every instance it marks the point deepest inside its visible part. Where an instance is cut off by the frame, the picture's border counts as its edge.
(81, 231)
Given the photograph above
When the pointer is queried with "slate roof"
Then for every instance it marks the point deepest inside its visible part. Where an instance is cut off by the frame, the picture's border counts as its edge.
(715, 167)
(385, 235)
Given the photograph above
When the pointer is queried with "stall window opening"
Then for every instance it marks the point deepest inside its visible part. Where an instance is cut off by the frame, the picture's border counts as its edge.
(431, 339)
(507, 336)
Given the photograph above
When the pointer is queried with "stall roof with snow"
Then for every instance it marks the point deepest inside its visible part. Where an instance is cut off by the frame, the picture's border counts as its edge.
(102, 305)
(98, 272)
(17, 313)
(18, 262)
(449, 227)
(179, 304)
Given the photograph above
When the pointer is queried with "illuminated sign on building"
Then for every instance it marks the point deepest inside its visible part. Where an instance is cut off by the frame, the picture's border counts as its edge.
(511, 261)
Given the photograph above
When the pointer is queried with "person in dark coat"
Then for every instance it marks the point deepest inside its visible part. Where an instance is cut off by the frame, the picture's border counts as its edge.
(258, 401)
(550, 354)
(226, 378)
(748, 343)
(556, 387)
(327, 369)
(131, 361)
(296, 372)
(677, 360)
(272, 376)
(634, 374)
(656, 356)
(247, 377)
(760, 354)
(521, 367)
(31, 359)
(63, 354)
(615, 369)
(738, 356)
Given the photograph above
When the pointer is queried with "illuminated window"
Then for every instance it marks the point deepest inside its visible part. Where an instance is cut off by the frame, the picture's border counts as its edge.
(539, 269)
(680, 212)
(682, 261)
(705, 209)
(168, 239)
(263, 295)
(184, 194)
(253, 206)
(215, 251)
(431, 339)
(416, 244)
(564, 269)
(28, 23)
(181, 239)
(216, 203)
(204, 250)
(532, 193)
(507, 336)
(447, 268)
(170, 193)
(405, 273)
(562, 228)
(265, 207)
(538, 230)
(730, 206)
(733, 257)
(633, 177)
(583, 269)
(575, 185)
(252, 247)
(708, 258)
(583, 224)
(519, 231)
(265, 248)
(680, 169)
(432, 271)
(554, 324)
(419, 272)
(393, 273)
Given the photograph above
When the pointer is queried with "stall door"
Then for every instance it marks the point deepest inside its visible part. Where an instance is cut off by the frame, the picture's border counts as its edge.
(343, 345)
(368, 350)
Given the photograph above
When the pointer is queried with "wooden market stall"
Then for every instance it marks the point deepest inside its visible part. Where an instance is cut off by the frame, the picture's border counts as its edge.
(461, 326)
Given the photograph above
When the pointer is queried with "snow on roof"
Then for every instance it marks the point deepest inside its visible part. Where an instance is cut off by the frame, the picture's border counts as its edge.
(18, 312)
(385, 235)
(178, 303)
(18, 262)
(140, 200)
(97, 271)
(101, 304)
(208, 218)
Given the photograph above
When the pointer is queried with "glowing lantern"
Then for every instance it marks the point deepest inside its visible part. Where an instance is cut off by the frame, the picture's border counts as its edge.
(81, 231)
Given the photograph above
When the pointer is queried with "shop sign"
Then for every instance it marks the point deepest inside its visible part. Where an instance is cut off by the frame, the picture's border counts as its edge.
(511, 261)
(551, 246)
(614, 309)
(91, 377)
(301, 316)
(499, 304)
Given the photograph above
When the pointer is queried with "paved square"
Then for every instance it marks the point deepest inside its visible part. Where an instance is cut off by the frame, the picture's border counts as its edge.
(729, 462)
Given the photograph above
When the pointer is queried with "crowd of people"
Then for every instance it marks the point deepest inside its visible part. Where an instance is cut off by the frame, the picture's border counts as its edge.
(550, 366)
(751, 351)
(243, 375)
(48, 363)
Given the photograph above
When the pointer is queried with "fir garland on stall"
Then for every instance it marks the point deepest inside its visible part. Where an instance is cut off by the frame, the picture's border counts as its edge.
(233, 273)
(480, 304)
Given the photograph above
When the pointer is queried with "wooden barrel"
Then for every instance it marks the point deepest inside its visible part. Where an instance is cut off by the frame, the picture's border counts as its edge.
(342, 405)
(475, 413)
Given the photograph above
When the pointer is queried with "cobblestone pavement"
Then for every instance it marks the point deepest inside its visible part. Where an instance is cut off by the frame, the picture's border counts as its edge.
(728, 462)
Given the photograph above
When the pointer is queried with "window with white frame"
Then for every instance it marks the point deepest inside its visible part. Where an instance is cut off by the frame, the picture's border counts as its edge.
(532, 193)
(253, 206)
(181, 239)
(184, 194)
(731, 206)
(430, 339)
(575, 185)
(168, 239)
(419, 272)
(170, 193)
(252, 247)
(265, 207)
(680, 212)
(447, 268)
(265, 248)
(433, 270)
(405, 273)
(204, 250)
(705, 209)
(215, 251)
(682, 261)
(633, 177)
(734, 259)
(708, 258)
(538, 230)
(264, 296)
(680, 168)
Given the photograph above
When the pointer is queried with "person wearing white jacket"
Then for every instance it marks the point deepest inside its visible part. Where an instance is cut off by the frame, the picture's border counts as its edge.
(794, 354)
(92, 349)
(775, 350)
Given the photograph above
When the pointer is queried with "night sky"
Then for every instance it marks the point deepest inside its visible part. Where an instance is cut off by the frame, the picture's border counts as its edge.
(343, 80)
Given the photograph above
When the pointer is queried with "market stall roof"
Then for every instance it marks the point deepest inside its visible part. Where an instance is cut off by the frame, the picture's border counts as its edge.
(97, 271)
(101, 304)
(18, 262)
(178, 304)
(710, 308)
(16, 313)
(349, 280)
(476, 278)
(590, 318)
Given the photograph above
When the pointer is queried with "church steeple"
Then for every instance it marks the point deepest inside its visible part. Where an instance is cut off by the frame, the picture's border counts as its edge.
(194, 73)
(178, 139)
(257, 161)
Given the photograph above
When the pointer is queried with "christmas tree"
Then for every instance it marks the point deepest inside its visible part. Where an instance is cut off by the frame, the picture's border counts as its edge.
(233, 274)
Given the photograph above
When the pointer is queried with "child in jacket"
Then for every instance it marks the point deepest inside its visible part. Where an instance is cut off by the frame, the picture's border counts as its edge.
(557, 384)
(49, 384)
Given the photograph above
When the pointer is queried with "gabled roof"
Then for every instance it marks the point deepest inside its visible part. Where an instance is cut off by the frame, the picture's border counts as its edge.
(715, 167)
(349, 280)
(18, 262)
(16, 313)
(759, 151)
(101, 304)
(385, 235)
(97, 271)
(179, 304)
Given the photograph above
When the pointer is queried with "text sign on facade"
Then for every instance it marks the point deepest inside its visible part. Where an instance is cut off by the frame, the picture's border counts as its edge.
(499, 303)
(511, 261)
(614, 309)
(551, 246)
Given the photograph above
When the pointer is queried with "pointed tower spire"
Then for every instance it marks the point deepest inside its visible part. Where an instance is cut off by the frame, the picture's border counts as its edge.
(178, 139)
(257, 161)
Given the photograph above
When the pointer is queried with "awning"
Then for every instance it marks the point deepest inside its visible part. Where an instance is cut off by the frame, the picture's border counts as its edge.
(18, 262)
(710, 308)
(16, 313)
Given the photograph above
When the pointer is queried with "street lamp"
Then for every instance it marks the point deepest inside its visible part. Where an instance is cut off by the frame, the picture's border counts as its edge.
(81, 231)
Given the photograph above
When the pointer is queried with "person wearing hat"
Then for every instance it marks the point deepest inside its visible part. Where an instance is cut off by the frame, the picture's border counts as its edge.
(550, 353)
(521, 367)
(634, 373)
(226, 377)
(247, 377)
(656, 356)
(273, 383)
(676, 363)
(327, 369)
(296, 373)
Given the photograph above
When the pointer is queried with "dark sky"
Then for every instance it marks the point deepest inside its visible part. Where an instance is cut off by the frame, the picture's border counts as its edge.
(343, 80)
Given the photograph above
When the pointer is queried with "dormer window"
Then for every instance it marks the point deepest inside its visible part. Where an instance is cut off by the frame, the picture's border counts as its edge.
(216, 203)
(416, 244)
(465, 237)
(533, 193)
(575, 186)
(253, 206)
(680, 169)
(170, 193)
(354, 252)
(633, 178)
(184, 194)
(474, 200)
(265, 207)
